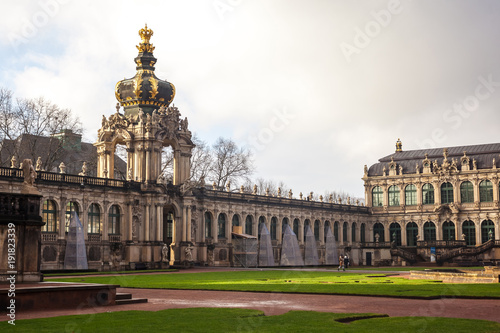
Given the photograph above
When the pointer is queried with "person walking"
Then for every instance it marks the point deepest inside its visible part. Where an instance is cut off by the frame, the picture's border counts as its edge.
(341, 263)
(346, 261)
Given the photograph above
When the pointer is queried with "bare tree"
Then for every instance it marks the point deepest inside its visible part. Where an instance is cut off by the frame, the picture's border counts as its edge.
(231, 163)
(201, 160)
(32, 121)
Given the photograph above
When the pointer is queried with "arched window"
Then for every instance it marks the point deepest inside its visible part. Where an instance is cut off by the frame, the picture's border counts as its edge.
(168, 226)
(236, 221)
(466, 192)
(485, 191)
(94, 222)
(362, 233)
(208, 225)
(487, 231)
(274, 225)
(262, 222)
(410, 195)
(469, 231)
(249, 225)
(306, 223)
(428, 194)
(221, 226)
(49, 216)
(296, 226)
(71, 207)
(378, 229)
(411, 234)
(344, 232)
(395, 233)
(394, 195)
(377, 196)
(284, 223)
(429, 231)
(448, 231)
(114, 220)
(353, 232)
(325, 229)
(336, 231)
(316, 230)
(446, 193)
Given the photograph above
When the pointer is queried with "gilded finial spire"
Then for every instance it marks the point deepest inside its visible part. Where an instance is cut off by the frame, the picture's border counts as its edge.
(145, 34)
(399, 146)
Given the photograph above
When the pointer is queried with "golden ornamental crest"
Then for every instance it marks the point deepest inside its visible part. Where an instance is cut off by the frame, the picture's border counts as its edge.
(145, 34)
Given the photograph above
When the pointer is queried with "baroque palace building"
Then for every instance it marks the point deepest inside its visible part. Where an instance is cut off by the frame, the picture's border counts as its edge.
(421, 205)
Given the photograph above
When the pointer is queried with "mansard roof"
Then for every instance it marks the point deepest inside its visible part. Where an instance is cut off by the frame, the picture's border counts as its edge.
(483, 154)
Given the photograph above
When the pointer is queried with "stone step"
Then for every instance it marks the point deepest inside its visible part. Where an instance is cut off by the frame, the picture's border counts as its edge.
(131, 301)
(123, 296)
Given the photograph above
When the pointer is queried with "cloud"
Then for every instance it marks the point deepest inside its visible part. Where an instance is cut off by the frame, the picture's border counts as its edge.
(232, 70)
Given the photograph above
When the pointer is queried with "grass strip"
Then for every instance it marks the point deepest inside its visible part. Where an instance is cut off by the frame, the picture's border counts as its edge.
(299, 282)
(244, 320)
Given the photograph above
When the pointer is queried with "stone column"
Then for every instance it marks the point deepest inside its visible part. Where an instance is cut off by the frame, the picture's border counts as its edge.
(419, 194)
(62, 219)
(404, 241)
(475, 182)
(437, 193)
(188, 224)
(148, 164)
(215, 221)
(129, 221)
(387, 232)
(146, 222)
(184, 224)
(105, 228)
(477, 223)
(301, 232)
(177, 167)
(322, 232)
(159, 220)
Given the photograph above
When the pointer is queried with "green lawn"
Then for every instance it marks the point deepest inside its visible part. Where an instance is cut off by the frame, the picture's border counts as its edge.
(410, 268)
(244, 320)
(298, 282)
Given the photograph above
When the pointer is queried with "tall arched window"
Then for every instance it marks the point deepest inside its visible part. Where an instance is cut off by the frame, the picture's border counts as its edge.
(411, 234)
(71, 207)
(296, 226)
(362, 233)
(306, 223)
(344, 232)
(377, 196)
(274, 226)
(49, 216)
(487, 231)
(448, 231)
(262, 222)
(208, 225)
(353, 232)
(469, 231)
(249, 225)
(485, 191)
(316, 230)
(336, 231)
(394, 195)
(284, 223)
(395, 233)
(466, 192)
(221, 226)
(94, 222)
(429, 231)
(428, 194)
(378, 229)
(236, 221)
(325, 229)
(410, 195)
(446, 193)
(114, 220)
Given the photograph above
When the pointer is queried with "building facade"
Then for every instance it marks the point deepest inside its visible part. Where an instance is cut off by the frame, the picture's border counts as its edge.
(419, 204)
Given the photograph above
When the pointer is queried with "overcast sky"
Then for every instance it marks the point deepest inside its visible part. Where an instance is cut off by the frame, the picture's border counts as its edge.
(316, 88)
